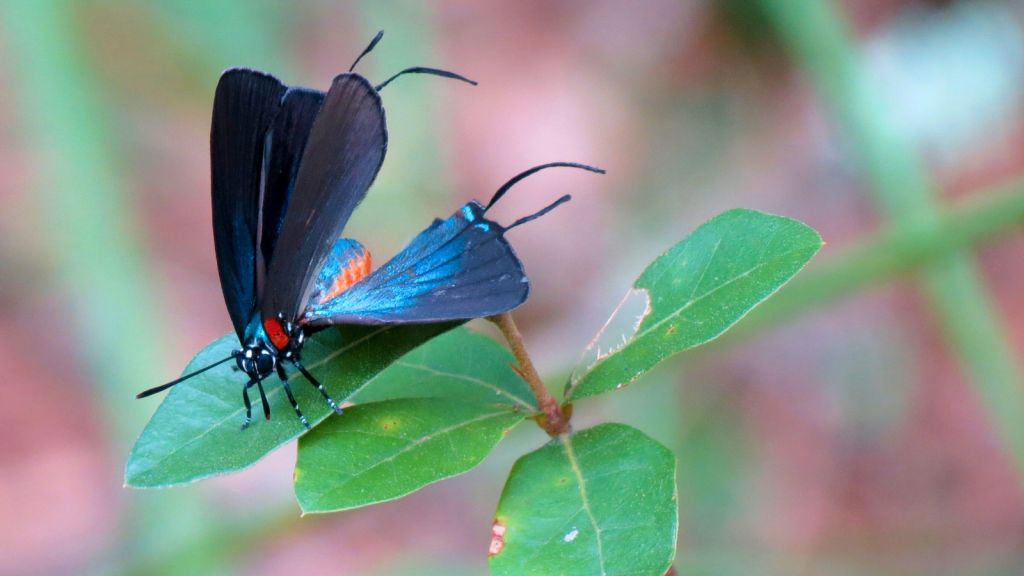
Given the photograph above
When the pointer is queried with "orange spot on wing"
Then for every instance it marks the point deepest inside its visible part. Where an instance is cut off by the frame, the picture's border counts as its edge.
(276, 333)
(355, 270)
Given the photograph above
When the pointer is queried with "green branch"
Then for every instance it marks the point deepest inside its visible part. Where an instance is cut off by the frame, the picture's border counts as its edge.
(818, 35)
(898, 251)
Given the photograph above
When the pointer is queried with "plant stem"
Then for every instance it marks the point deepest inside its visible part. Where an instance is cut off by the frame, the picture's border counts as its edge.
(672, 571)
(554, 421)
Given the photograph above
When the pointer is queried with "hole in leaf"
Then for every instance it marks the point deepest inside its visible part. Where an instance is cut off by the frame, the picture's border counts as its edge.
(617, 332)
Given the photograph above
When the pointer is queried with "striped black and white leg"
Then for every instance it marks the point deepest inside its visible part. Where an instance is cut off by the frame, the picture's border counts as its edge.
(291, 397)
(248, 405)
(319, 386)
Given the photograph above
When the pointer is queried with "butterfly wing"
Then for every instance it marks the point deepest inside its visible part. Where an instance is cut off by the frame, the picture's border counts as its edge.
(245, 104)
(456, 269)
(285, 143)
(343, 155)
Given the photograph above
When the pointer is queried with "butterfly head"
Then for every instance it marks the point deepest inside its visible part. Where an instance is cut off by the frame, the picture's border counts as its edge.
(256, 360)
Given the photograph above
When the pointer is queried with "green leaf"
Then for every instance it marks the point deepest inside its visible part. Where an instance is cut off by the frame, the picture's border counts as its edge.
(460, 364)
(385, 450)
(693, 293)
(195, 432)
(599, 502)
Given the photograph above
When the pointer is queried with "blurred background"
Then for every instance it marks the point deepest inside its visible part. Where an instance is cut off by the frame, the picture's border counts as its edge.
(869, 420)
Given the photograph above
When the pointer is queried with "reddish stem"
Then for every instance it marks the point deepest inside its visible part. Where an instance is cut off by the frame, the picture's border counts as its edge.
(554, 421)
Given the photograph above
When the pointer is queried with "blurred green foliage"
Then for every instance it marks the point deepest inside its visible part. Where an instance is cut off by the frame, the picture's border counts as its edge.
(819, 37)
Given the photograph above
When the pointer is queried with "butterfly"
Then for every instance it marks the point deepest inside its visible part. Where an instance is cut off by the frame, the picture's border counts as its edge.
(289, 165)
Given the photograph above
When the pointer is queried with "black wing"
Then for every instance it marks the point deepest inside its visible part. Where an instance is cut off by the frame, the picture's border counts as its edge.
(243, 108)
(456, 269)
(345, 151)
(285, 143)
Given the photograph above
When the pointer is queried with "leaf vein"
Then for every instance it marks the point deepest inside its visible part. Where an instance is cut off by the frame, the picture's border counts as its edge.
(467, 378)
(583, 495)
(411, 445)
(713, 291)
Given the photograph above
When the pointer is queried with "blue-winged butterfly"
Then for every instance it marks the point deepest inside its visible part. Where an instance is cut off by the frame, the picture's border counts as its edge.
(289, 165)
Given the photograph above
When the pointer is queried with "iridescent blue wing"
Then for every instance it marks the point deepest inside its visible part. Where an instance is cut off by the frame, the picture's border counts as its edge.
(245, 104)
(342, 157)
(285, 143)
(456, 269)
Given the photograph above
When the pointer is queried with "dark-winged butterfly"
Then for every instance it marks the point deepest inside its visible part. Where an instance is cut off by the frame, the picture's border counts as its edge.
(289, 165)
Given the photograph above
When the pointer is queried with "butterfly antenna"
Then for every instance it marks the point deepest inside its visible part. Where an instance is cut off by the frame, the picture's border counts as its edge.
(163, 387)
(501, 191)
(422, 70)
(368, 49)
(526, 219)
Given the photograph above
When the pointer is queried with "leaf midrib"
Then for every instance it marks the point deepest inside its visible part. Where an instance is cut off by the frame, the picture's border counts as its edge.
(574, 464)
(691, 301)
(679, 311)
(471, 379)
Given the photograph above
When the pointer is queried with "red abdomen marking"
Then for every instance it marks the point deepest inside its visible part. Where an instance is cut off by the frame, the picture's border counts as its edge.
(278, 337)
(354, 270)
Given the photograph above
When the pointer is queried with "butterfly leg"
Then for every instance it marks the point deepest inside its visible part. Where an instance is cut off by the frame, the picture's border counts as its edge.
(319, 386)
(263, 397)
(248, 405)
(291, 397)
